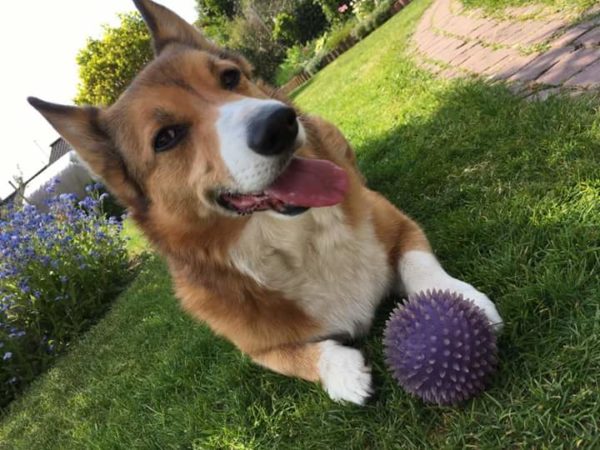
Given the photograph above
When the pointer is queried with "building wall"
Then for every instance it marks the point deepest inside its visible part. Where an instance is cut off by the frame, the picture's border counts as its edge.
(58, 148)
(72, 174)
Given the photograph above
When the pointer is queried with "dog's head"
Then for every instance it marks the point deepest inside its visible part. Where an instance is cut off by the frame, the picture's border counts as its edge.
(193, 133)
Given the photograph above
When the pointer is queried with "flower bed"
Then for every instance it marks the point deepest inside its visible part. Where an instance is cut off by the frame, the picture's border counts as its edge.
(58, 272)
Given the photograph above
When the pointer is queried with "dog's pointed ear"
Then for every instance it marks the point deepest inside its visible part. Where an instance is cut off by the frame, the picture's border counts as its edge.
(80, 126)
(166, 28)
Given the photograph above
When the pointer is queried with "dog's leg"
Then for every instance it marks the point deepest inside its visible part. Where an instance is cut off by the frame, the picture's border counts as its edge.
(278, 336)
(418, 268)
(341, 370)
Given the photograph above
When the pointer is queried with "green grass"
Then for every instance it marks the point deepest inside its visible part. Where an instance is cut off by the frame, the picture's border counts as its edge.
(136, 242)
(508, 192)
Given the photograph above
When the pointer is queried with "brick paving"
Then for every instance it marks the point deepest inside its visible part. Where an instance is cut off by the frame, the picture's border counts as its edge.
(539, 55)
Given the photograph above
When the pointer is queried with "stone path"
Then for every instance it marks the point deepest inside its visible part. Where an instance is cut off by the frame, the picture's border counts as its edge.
(538, 55)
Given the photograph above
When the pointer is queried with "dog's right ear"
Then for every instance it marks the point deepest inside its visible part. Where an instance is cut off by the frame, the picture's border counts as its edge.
(166, 28)
(81, 127)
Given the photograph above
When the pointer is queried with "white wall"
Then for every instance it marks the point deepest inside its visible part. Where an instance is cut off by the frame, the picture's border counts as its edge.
(73, 176)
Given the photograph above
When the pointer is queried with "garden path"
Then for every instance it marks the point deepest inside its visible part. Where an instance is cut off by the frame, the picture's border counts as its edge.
(537, 52)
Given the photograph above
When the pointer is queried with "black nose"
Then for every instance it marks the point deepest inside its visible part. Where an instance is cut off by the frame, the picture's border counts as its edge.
(273, 130)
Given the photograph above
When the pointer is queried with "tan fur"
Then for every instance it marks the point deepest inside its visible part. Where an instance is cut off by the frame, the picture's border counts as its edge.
(272, 287)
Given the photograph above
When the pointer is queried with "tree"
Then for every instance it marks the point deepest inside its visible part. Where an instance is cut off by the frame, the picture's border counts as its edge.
(216, 8)
(215, 18)
(305, 22)
(107, 65)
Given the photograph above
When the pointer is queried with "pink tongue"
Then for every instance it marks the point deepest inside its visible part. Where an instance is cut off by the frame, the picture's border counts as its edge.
(310, 183)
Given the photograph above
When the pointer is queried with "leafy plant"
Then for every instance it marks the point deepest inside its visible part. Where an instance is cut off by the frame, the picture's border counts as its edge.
(58, 272)
(107, 65)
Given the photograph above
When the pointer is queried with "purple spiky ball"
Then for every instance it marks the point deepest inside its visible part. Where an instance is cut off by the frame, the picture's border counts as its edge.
(440, 347)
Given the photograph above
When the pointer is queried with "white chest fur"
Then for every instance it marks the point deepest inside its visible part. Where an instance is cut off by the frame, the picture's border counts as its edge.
(336, 273)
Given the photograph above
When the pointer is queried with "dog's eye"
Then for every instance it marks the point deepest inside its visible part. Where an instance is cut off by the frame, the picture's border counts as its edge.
(169, 137)
(230, 79)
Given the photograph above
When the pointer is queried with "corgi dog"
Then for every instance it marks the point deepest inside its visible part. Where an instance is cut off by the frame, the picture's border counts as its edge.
(270, 234)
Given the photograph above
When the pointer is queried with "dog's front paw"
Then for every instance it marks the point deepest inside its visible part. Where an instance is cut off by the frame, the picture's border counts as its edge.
(344, 374)
(420, 271)
(478, 298)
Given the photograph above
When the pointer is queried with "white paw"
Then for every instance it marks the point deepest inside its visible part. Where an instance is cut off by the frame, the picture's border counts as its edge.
(420, 271)
(478, 298)
(343, 373)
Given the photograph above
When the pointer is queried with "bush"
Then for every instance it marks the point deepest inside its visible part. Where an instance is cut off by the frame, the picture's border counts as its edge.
(108, 64)
(310, 20)
(335, 10)
(58, 272)
(295, 59)
(110, 206)
(316, 63)
(285, 29)
(362, 8)
(371, 21)
(382, 12)
(338, 34)
(251, 36)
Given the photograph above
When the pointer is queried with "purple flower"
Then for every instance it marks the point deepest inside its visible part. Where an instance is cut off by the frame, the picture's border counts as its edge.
(51, 187)
(7, 356)
(88, 203)
(67, 198)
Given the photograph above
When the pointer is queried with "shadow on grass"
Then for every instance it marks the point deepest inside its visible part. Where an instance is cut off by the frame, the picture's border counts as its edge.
(509, 193)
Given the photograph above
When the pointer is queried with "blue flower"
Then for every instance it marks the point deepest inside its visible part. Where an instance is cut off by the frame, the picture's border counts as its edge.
(7, 356)
(51, 187)
(67, 198)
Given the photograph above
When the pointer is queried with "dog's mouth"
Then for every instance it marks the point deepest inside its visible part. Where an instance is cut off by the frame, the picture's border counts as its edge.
(305, 183)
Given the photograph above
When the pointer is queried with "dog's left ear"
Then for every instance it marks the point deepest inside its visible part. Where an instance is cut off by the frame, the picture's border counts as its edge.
(81, 127)
(166, 28)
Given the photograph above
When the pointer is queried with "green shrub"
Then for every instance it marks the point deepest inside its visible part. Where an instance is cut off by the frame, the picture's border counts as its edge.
(336, 10)
(362, 8)
(371, 21)
(339, 33)
(252, 37)
(295, 60)
(316, 63)
(108, 64)
(110, 206)
(305, 22)
(58, 273)
(382, 12)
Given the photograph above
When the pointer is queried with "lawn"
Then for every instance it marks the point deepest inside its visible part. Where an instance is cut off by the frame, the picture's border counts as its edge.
(508, 191)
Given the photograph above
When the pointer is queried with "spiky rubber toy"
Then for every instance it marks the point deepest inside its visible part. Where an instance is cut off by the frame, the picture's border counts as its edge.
(440, 347)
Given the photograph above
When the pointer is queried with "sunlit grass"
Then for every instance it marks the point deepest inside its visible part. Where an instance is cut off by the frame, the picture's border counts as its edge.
(508, 193)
